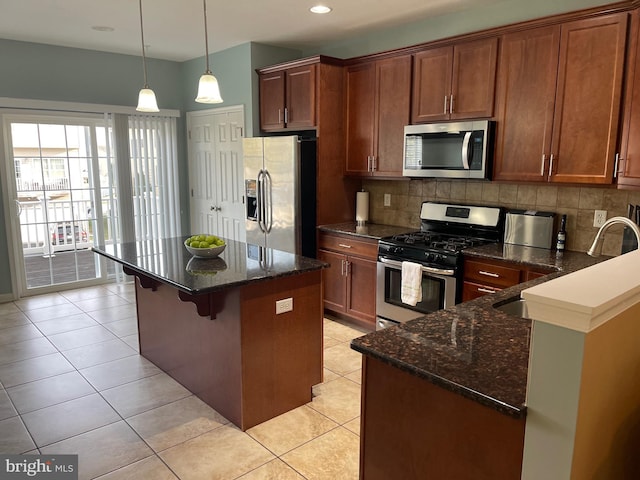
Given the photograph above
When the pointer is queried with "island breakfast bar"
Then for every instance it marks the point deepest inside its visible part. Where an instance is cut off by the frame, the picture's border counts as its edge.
(212, 324)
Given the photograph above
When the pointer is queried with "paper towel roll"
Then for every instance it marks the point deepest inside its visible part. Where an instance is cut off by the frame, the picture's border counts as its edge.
(362, 207)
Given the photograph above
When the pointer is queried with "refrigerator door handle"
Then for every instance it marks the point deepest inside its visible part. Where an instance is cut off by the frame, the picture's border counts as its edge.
(268, 207)
(260, 200)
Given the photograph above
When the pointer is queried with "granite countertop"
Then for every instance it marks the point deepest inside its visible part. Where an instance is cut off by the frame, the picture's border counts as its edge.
(566, 261)
(472, 348)
(370, 230)
(168, 261)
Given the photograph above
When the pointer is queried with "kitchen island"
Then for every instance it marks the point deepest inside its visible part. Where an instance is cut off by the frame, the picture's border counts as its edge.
(444, 396)
(243, 332)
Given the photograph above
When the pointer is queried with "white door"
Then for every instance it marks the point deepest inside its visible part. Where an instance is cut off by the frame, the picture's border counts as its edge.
(216, 173)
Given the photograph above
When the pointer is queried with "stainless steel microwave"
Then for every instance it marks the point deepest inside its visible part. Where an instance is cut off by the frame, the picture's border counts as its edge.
(449, 150)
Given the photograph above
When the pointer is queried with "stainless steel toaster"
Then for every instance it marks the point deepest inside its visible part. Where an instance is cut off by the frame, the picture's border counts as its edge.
(530, 228)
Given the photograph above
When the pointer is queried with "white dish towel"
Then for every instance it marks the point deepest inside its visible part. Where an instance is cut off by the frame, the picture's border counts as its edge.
(411, 288)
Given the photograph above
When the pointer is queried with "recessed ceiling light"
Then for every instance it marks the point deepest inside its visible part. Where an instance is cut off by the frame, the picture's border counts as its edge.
(320, 9)
(99, 28)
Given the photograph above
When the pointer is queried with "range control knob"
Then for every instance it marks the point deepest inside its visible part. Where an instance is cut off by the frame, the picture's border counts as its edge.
(396, 250)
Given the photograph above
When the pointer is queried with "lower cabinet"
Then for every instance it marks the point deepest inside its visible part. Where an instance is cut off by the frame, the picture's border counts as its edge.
(350, 281)
(486, 276)
(428, 432)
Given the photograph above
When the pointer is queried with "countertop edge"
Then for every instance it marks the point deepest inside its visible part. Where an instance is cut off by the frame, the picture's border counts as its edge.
(479, 397)
(217, 288)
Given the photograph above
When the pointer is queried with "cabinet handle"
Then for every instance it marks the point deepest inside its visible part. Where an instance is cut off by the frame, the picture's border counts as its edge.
(445, 104)
(374, 163)
(615, 166)
(342, 268)
(347, 269)
(485, 290)
(451, 105)
(344, 245)
(550, 165)
(544, 157)
(279, 116)
(489, 274)
(286, 115)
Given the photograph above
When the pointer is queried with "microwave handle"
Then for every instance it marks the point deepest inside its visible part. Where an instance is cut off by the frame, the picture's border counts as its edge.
(465, 150)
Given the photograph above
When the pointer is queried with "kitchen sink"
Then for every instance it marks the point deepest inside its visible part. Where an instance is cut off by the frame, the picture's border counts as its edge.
(515, 306)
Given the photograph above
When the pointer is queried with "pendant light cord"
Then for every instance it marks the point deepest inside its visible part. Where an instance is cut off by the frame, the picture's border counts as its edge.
(144, 59)
(206, 36)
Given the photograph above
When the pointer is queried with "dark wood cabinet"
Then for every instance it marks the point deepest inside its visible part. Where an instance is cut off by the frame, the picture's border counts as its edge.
(313, 89)
(558, 101)
(288, 99)
(360, 104)
(414, 429)
(629, 160)
(378, 104)
(350, 281)
(455, 82)
(488, 276)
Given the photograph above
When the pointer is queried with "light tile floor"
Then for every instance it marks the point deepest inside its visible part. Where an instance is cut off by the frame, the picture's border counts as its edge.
(72, 381)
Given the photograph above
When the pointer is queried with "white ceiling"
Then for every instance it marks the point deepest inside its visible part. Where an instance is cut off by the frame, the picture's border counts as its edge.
(174, 29)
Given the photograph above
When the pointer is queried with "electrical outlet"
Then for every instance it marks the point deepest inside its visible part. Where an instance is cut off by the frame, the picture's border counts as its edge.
(387, 199)
(599, 217)
(284, 305)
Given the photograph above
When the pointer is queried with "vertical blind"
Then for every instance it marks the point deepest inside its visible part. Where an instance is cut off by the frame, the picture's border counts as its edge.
(154, 175)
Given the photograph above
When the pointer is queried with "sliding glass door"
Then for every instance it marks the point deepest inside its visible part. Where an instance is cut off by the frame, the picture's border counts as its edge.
(77, 182)
(64, 196)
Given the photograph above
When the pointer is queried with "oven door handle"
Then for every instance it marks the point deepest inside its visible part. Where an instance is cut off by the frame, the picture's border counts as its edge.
(436, 271)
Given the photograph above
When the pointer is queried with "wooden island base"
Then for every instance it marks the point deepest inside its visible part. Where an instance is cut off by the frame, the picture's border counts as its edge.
(243, 360)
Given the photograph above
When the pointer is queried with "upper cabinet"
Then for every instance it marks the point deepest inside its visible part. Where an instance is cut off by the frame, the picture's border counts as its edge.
(455, 82)
(288, 99)
(558, 101)
(377, 109)
(629, 165)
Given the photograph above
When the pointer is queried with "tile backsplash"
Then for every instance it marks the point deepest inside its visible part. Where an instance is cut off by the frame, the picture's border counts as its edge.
(578, 203)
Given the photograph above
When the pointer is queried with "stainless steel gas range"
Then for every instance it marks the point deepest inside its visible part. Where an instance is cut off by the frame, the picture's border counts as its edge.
(445, 231)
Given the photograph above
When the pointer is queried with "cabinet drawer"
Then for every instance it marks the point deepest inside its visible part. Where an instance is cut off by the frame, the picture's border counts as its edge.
(349, 246)
(472, 290)
(491, 274)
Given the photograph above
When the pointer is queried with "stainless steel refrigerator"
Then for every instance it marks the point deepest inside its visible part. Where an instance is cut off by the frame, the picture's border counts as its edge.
(280, 193)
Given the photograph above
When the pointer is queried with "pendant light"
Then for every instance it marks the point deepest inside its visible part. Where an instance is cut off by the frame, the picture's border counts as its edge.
(146, 98)
(208, 89)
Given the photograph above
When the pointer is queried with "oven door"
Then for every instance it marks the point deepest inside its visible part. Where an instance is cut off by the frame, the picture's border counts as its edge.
(438, 292)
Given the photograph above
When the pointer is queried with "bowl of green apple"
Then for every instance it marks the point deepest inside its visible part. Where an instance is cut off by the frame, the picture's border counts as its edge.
(205, 246)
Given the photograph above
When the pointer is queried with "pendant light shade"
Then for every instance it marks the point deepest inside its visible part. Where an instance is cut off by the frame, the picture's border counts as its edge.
(146, 98)
(208, 88)
(147, 101)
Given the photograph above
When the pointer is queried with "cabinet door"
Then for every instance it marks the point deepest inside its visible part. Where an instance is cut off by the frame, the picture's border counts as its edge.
(361, 288)
(334, 280)
(272, 101)
(301, 97)
(432, 85)
(474, 79)
(360, 86)
(585, 125)
(524, 102)
(393, 103)
(629, 169)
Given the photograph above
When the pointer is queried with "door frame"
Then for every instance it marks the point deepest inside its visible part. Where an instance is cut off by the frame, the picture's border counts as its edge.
(19, 288)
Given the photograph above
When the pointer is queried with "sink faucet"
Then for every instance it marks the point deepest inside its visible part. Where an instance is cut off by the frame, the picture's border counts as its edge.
(596, 248)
